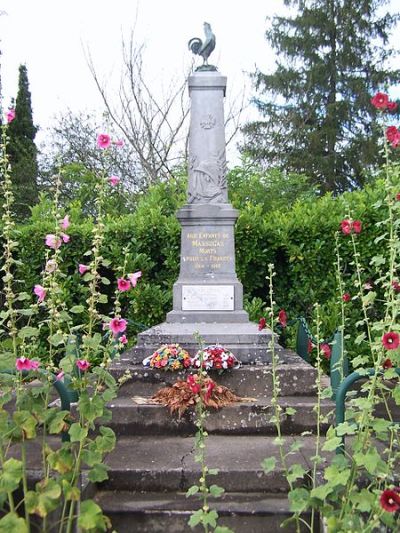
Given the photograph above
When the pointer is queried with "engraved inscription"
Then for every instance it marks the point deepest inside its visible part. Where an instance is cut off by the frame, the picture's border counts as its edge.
(208, 298)
(209, 250)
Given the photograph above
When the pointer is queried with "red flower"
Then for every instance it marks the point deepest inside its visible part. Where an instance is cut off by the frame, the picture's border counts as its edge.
(357, 226)
(380, 101)
(390, 500)
(387, 363)
(345, 226)
(261, 324)
(194, 387)
(398, 196)
(210, 388)
(310, 346)
(396, 286)
(282, 317)
(391, 133)
(346, 297)
(326, 350)
(392, 106)
(396, 140)
(391, 340)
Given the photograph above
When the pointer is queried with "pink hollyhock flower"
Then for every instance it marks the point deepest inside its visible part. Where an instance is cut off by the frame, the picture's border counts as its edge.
(82, 269)
(123, 339)
(326, 350)
(82, 364)
(35, 365)
(346, 297)
(51, 265)
(391, 132)
(119, 142)
(345, 226)
(40, 292)
(380, 101)
(282, 317)
(396, 140)
(66, 238)
(103, 140)
(60, 375)
(133, 278)
(114, 180)
(390, 500)
(398, 196)
(23, 363)
(391, 106)
(52, 241)
(396, 286)
(387, 363)
(117, 325)
(10, 115)
(261, 323)
(123, 284)
(368, 285)
(391, 340)
(357, 226)
(65, 223)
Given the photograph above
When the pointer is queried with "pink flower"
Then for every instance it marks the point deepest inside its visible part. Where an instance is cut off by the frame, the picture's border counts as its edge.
(65, 223)
(391, 106)
(396, 286)
(134, 277)
(391, 132)
(391, 340)
(35, 365)
(398, 196)
(51, 265)
(52, 241)
(82, 269)
(380, 101)
(23, 363)
(326, 350)
(282, 317)
(346, 297)
(123, 339)
(345, 226)
(40, 292)
(119, 142)
(261, 324)
(82, 364)
(60, 375)
(396, 140)
(10, 115)
(66, 238)
(114, 180)
(357, 225)
(310, 346)
(368, 285)
(123, 284)
(117, 325)
(103, 140)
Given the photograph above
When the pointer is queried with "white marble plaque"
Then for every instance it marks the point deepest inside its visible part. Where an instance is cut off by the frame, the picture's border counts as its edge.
(208, 298)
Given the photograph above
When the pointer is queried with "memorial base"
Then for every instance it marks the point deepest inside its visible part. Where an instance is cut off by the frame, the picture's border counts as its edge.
(245, 341)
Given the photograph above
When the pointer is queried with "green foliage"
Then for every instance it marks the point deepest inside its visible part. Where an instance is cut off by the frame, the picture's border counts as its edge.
(331, 57)
(22, 149)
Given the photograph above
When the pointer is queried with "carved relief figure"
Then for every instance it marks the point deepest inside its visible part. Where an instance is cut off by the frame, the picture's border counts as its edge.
(207, 183)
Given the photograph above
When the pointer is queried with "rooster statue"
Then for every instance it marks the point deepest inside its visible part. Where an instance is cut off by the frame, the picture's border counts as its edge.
(204, 49)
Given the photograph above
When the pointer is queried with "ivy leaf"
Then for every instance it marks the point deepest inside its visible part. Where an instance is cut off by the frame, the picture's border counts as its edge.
(268, 464)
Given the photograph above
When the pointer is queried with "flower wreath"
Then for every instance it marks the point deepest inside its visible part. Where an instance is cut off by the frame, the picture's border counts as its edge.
(215, 357)
(169, 357)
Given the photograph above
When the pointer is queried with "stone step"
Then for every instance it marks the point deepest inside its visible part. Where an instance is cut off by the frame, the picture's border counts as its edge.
(296, 379)
(133, 417)
(170, 512)
(167, 463)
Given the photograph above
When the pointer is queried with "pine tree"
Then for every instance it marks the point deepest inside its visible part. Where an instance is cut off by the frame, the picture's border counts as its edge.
(22, 149)
(331, 58)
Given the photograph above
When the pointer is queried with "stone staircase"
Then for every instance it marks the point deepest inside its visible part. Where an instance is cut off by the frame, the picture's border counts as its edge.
(153, 463)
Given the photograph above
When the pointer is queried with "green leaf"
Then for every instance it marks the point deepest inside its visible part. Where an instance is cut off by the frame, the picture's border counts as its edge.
(346, 429)
(336, 476)
(26, 423)
(58, 422)
(11, 475)
(27, 332)
(61, 461)
(369, 460)
(298, 500)
(76, 309)
(216, 491)
(98, 473)
(105, 281)
(56, 340)
(77, 433)
(91, 517)
(321, 492)
(196, 518)
(213, 471)
(12, 523)
(194, 489)
(295, 471)
(290, 411)
(106, 442)
(45, 499)
(223, 529)
(268, 464)
(331, 444)
(103, 298)
(210, 518)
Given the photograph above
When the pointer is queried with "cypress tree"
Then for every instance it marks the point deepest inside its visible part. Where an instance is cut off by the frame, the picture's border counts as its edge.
(22, 149)
(317, 117)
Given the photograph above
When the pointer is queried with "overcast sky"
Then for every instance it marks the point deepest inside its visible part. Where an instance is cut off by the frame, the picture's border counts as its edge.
(50, 37)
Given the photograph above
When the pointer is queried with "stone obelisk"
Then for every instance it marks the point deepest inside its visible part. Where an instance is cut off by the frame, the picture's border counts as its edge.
(207, 297)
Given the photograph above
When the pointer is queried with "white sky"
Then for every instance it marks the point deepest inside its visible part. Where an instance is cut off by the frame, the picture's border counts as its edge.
(49, 36)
